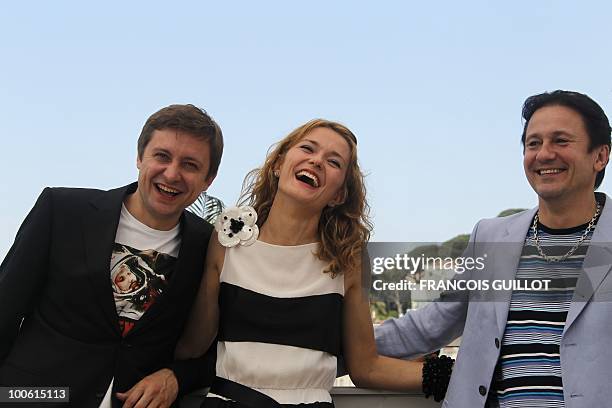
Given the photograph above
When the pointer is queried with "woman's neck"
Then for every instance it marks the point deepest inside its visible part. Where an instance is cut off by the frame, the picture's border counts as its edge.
(289, 225)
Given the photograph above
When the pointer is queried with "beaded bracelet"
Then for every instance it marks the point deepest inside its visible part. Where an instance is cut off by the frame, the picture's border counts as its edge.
(436, 375)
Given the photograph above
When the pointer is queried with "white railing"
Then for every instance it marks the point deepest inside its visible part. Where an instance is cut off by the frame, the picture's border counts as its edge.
(352, 397)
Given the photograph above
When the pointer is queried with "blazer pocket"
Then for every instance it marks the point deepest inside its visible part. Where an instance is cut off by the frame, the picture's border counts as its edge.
(13, 375)
(43, 351)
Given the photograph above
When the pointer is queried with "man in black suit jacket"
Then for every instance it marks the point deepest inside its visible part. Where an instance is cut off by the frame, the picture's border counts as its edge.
(98, 285)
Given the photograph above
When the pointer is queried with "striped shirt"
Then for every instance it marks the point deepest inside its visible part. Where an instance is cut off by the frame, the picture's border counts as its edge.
(529, 369)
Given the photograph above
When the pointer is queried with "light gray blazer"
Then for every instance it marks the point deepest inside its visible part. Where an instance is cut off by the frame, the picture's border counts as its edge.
(586, 344)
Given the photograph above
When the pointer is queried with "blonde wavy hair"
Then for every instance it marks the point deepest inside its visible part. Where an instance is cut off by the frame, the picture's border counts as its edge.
(343, 229)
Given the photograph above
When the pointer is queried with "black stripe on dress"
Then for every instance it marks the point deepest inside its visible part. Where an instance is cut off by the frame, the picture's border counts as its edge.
(310, 322)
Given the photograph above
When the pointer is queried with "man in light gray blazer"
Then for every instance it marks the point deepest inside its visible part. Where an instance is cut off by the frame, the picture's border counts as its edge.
(534, 348)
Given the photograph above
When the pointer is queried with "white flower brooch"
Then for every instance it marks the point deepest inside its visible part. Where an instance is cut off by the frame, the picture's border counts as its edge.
(236, 225)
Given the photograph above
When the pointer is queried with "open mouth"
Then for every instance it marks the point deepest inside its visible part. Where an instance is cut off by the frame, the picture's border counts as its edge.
(307, 177)
(167, 191)
(546, 172)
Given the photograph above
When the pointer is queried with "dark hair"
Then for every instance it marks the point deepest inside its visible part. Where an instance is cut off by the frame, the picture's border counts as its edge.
(594, 118)
(189, 119)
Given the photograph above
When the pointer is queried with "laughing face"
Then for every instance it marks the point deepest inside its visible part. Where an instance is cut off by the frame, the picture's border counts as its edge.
(314, 169)
(557, 160)
(173, 171)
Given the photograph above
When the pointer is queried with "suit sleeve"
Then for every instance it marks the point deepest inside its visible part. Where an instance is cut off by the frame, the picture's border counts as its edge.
(428, 328)
(23, 270)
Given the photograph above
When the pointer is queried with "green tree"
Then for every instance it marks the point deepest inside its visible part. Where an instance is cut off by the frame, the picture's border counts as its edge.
(454, 247)
(207, 207)
(510, 211)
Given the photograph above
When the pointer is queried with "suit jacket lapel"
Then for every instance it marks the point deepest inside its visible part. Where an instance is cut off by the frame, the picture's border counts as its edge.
(507, 257)
(596, 266)
(99, 230)
(191, 245)
(597, 263)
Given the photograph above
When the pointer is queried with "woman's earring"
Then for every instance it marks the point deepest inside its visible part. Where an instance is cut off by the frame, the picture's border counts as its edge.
(276, 173)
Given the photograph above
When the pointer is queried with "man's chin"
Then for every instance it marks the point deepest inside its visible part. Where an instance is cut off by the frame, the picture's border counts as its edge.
(549, 194)
(166, 212)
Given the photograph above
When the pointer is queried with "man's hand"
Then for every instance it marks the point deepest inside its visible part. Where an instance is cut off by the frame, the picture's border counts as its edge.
(158, 390)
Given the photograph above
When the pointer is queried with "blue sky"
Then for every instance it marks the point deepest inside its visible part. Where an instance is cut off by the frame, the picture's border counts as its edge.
(433, 92)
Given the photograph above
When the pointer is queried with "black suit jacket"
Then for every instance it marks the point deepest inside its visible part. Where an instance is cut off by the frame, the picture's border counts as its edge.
(56, 277)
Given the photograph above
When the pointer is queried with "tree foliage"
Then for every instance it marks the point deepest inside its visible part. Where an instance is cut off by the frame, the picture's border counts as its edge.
(510, 211)
(207, 207)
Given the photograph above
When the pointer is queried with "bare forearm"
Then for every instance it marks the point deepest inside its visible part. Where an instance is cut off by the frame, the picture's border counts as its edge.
(391, 374)
(200, 330)
(194, 345)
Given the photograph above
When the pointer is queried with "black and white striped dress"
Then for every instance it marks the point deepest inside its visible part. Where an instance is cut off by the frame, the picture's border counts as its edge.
(280, 325)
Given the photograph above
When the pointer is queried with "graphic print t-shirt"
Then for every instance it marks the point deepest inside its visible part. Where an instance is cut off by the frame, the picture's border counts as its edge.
(141, 264)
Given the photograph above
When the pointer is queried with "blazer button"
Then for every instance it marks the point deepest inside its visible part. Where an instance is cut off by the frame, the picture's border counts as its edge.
(496, 342)
(482, 390)
(100, 395)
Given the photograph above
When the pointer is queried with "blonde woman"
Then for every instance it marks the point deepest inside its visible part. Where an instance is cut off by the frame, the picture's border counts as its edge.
(286, 305)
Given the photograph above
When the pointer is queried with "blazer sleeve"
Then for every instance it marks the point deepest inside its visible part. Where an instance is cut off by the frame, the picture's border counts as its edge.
(23, 270)
(428, 328)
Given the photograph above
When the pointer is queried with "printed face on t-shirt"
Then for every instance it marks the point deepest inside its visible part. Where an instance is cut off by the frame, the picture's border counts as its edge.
(125, 280)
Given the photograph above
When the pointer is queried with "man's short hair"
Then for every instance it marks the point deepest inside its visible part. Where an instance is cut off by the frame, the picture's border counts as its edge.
(594, 118)
(189, 119)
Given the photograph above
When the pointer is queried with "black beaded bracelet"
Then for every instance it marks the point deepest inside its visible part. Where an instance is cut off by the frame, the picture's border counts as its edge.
(436, 375)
